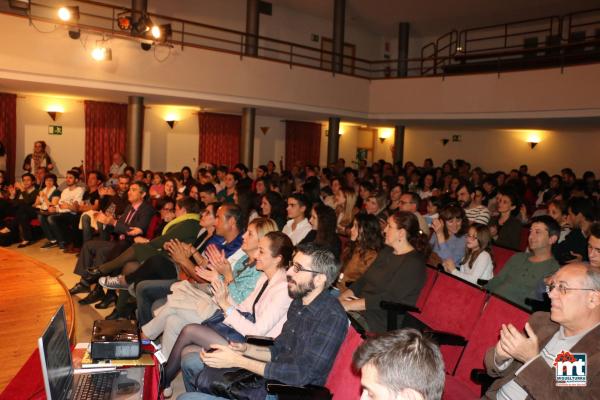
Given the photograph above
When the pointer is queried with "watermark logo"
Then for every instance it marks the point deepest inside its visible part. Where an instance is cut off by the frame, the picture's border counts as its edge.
(571, 369)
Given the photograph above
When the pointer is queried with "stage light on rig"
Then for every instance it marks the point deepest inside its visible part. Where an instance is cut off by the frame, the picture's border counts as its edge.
(102, 53)
(68, 13)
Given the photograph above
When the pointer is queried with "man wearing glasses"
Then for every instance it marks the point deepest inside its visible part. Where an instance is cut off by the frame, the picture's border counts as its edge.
(409, 201)
(524, 362)
(305, 350)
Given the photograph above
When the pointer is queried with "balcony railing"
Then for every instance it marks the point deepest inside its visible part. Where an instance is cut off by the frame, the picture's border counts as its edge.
(525, 44)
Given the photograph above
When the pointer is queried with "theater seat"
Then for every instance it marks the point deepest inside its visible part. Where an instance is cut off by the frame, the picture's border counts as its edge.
(151, 233)
(343, 383)
(486, 335)
(501, 255)
(524, 243)
(453, 306)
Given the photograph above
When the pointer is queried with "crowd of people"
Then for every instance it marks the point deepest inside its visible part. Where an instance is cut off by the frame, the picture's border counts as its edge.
(206, 258)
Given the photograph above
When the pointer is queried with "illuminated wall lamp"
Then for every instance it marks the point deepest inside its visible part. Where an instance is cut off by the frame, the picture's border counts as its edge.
(264, 129)
(532, 144)
(54, 111)
(445, 141)
(171, 123)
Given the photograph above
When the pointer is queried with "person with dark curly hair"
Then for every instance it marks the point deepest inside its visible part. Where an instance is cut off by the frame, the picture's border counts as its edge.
(366, 241)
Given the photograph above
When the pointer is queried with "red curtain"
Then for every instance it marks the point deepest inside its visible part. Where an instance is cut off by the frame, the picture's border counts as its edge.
(105, 133)
(8, 131)
(219, 138)
(302, 143)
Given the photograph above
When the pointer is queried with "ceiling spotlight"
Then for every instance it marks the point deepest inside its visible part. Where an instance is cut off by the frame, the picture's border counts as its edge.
(124, 22)
(68, 13)
(155, 31)
(101, 53)
(142, 25)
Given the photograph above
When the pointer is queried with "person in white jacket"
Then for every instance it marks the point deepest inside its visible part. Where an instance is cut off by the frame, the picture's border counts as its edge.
(477, 263)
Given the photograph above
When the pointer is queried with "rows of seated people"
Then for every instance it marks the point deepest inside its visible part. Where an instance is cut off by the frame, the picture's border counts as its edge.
(208, 260)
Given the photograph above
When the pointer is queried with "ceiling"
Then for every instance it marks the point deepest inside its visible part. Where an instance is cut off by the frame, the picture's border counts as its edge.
(435, 17)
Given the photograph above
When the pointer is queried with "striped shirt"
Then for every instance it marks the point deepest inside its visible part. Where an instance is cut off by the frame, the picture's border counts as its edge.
(479, 214)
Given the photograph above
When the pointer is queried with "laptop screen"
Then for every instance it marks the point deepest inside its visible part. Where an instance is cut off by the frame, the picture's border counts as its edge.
(55, 356)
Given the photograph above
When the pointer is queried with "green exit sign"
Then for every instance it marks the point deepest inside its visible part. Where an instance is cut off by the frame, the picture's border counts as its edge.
(55, 130)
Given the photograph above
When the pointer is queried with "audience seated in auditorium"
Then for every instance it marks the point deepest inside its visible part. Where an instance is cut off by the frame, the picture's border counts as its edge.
(468, 199)
(323, 223)
(262, 313)
(523, 273)
(22, 196)
(229, 183)
(400, 365)
(525, 363)
(581, 214)
(208, 194)
(506, 227)
(397, 274)
(184, 228)
(345, 208)
(449, 234)
(558, 210)
(192, 303)
(58, 225)
(305, 350)
(117, 168)
(395, 194)
(594, 245)
(153, 282)
(366, 240)
(131, 224)
(273, 206)
(410, 202)
(477, 262)
(298, 209)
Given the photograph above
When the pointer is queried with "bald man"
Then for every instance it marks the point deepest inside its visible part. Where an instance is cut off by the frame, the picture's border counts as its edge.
(524, 361)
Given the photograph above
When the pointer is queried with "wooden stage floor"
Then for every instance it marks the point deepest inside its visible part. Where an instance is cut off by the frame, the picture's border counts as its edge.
(30, 293)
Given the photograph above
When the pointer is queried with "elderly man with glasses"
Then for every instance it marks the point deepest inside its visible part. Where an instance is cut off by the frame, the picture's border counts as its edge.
(526, 362)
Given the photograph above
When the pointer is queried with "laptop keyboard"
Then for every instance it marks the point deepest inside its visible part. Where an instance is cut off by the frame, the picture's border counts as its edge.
(95, 386)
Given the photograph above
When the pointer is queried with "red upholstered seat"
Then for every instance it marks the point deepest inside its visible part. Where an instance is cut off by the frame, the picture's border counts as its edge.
(500, 256)
(35, 222)
(524, 243)
(342, 381)
(453, 306)
(485, 335)
(151, 232)
(456, 390)
(429, 281)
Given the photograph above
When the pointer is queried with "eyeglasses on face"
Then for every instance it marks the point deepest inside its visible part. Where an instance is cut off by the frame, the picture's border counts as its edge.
(562, 289)
(297, 267)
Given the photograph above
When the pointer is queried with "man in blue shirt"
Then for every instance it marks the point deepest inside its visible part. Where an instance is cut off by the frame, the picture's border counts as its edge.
(305, 350)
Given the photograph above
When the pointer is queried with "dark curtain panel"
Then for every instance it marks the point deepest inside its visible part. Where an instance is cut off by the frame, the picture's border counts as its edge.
(302, 143)
(8, 131)
(105, 133)
(219, 138)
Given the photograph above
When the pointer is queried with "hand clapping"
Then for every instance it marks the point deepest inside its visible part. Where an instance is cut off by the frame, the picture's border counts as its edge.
(513, 344)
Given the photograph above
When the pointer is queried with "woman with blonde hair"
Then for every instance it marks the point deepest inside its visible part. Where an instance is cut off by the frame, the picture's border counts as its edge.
(345, 203)
(191, 303)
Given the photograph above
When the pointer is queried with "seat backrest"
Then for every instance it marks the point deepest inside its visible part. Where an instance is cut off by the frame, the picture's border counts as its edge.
(429, 281)
(501, 256)
(453, 306)
(343, 381)
(524, 242)
(487, 328)
(152, 227)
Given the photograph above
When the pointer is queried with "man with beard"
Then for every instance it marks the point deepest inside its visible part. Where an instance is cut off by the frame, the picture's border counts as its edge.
(476, 212)
(305, 350)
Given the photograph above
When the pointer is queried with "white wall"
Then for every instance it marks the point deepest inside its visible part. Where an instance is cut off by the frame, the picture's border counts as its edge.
(504, 149)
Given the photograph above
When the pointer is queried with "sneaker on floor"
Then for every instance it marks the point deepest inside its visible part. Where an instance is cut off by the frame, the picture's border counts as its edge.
(111, 282)
(49, 245)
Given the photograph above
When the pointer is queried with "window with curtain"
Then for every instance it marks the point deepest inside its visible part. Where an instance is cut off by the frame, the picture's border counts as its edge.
(8, 132)
(219, 138)
(302, 143)
(105, 133)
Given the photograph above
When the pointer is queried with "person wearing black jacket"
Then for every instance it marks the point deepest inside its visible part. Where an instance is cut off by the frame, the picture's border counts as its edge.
(581, 215)
(132, 223)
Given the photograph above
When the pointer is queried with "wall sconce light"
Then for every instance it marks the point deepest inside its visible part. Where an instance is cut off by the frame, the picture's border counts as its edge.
(445, 141)
(171, 123)
(54, 111)
(384, 133)
(532, 144)
(264, 129)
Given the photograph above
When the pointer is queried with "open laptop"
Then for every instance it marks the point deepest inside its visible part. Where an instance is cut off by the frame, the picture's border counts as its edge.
(62, 384)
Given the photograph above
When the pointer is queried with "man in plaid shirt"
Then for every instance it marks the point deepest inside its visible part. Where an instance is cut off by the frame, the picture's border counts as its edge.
(305, 350)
